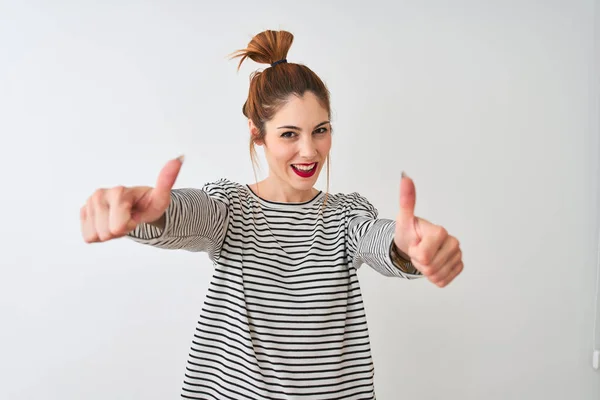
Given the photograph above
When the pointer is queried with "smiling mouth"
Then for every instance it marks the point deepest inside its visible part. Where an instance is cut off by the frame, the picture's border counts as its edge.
(305, 170)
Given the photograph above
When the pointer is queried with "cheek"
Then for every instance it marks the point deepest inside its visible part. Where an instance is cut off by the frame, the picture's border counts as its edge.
(280, 153)
(324, 145)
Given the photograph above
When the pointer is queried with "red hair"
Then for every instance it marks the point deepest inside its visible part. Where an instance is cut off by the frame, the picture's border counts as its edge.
(270, 89)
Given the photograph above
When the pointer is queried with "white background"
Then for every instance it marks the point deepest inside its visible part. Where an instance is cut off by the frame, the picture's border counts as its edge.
(491, 107)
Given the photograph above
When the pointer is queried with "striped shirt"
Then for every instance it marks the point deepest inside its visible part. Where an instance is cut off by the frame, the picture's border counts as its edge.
(283, 317)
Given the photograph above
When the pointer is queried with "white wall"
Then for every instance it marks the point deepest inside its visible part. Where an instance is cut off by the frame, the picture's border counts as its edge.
(492, 107)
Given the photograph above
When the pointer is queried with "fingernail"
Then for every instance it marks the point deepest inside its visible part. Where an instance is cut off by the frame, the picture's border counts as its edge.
(181, 158)
(404, 175)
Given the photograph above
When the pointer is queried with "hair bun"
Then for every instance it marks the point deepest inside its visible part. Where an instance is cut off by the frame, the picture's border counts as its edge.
(267, 47)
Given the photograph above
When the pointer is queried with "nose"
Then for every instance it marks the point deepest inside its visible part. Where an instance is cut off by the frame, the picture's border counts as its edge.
(307, 148)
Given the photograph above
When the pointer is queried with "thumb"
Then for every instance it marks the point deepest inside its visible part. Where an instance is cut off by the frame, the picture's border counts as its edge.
(408, 199)
(407, 229)
(166, 181)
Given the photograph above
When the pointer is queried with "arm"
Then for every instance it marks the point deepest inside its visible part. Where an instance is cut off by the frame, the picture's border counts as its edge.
(196, 220)
(371, 241)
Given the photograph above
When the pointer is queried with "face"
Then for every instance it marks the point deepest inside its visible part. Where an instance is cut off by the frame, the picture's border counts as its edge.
(297, 142)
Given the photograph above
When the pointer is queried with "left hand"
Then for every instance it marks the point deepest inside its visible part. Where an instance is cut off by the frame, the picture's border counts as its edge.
(431, 249)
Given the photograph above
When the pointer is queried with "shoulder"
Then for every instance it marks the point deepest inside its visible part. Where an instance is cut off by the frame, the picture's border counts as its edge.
(224, 189)
(352, 203)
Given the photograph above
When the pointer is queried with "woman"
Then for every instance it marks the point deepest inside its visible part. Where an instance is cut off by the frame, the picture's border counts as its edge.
(283, 317)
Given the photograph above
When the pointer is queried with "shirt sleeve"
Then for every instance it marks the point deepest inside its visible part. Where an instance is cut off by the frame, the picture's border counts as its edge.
(196, 220)
(370, 238)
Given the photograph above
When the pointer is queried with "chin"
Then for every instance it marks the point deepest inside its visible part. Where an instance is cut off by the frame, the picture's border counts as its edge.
(305, 185)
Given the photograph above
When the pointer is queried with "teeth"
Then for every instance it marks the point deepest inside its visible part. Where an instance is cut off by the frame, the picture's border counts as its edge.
(304, 167)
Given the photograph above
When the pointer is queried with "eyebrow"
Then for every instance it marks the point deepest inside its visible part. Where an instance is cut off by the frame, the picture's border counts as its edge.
(296, 128)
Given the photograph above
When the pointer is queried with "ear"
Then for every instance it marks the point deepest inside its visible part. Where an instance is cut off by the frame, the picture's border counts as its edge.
(254, 133)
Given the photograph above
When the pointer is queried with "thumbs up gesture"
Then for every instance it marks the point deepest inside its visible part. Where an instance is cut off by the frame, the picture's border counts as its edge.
(431, 249)
(113, 213)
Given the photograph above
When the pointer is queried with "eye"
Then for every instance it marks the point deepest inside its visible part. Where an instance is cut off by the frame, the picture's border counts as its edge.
(288, 134)
(321, 130)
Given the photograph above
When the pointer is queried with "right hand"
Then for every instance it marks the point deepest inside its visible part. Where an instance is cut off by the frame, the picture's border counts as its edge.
(113, 213)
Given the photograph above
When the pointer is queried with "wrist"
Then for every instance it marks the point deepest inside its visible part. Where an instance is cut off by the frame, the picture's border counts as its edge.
(160, 223)
(401, 260)
(400, 253)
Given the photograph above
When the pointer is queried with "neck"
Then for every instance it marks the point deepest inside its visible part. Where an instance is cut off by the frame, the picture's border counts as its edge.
(271, 189)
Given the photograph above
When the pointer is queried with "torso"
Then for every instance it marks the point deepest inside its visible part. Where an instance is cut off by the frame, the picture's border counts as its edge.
(283, 316)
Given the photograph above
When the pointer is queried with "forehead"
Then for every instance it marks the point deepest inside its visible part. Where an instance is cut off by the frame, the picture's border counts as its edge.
(301, 111)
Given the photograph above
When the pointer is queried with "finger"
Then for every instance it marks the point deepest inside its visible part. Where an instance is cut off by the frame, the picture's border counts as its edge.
(85, 225)
(431, 242)
(448, 250)
(456, 270)
(167, 177)
(89, 229)
(423, 269)
(100, 210)
(119, 212)
(446, 269)
(406, 216)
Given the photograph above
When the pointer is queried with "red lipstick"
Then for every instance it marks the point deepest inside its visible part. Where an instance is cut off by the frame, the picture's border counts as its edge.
(305, 174)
